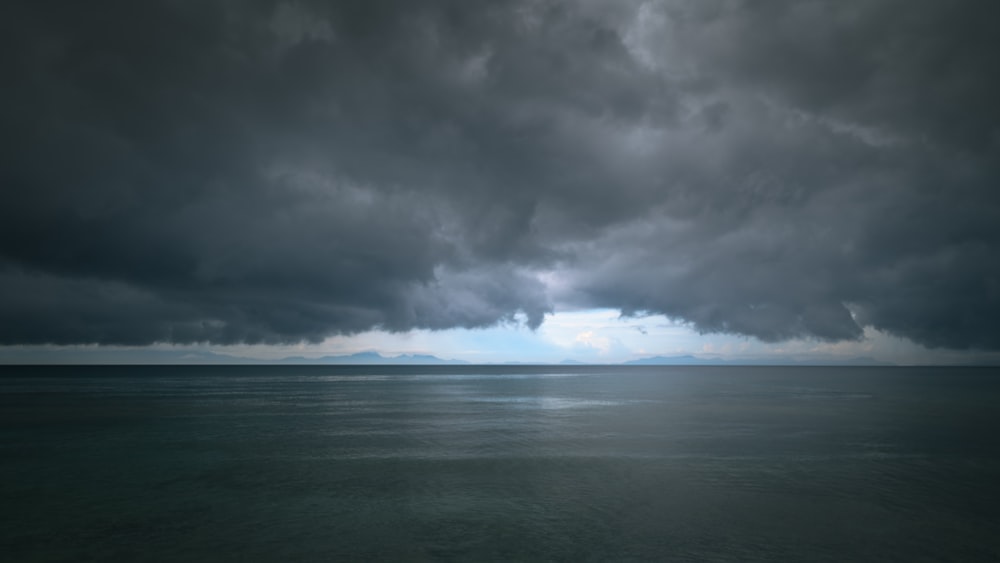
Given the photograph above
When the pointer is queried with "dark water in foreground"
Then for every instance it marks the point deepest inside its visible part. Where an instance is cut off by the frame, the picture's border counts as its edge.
(499, 463)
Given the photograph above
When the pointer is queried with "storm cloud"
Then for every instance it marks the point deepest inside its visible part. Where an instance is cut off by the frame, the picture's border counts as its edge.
(274, 172)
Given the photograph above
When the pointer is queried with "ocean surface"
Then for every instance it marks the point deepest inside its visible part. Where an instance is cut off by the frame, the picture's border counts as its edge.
(467, 463)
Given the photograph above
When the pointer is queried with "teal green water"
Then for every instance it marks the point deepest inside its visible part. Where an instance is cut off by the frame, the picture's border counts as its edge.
(461, 463)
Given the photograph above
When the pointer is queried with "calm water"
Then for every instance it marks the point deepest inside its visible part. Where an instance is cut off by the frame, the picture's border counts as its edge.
(499, 463)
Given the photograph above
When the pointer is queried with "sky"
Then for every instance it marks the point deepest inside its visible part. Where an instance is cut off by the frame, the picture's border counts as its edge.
(530, 180)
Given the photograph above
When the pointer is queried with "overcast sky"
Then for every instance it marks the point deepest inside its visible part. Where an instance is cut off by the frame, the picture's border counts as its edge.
(261, 176)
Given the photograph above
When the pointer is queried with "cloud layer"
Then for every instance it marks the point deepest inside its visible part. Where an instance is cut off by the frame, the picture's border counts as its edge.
(274, 172)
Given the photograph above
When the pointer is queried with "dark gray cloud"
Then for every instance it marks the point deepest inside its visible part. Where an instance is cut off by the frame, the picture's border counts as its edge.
(270, 172)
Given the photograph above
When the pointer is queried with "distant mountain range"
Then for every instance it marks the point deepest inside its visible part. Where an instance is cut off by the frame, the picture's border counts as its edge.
(373, 358)
(98, 355)
(689, 360)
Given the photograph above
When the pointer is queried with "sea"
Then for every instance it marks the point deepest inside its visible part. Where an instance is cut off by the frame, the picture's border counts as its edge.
(499, 463)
